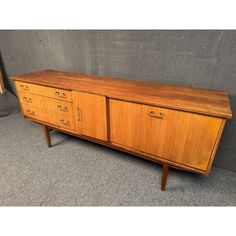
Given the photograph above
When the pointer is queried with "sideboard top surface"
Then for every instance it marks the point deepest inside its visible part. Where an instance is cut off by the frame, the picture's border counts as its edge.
(203, 101)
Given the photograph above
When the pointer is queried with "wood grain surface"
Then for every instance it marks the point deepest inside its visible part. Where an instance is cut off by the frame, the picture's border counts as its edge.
(52, 111)
(178, 136)
(203, 101)
(90, 114)
(56, 93)
(125, 123)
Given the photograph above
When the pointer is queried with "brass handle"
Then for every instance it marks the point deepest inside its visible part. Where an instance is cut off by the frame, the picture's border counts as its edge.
(60, 95)
(160, 116)
(32, 113)
(79, 114)
(24, 87)
(29, 100)
(65, 122)
(62, 108)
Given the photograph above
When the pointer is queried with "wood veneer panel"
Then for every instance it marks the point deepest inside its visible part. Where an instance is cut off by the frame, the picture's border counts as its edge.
(203, 101)
(125, 123)
(56, 93)
(182, 137)
(90, 114)
(47, 109)
(216, 145)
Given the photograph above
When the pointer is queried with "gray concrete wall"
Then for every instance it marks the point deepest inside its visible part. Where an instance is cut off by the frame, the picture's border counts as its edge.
(204, 59)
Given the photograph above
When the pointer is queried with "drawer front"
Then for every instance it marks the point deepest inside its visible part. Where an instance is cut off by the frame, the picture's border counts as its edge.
(30, 101)
(49, 110)
(60, 94)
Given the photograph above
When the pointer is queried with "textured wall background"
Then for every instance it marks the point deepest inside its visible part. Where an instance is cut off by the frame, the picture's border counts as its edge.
(204, 59)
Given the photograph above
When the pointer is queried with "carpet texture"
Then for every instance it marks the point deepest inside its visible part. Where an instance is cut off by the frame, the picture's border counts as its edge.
(8, 104)
(75, 172)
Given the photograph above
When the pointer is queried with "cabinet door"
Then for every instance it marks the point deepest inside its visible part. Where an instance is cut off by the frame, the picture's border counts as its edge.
(125, 122)
(90, 114)
(181, 137)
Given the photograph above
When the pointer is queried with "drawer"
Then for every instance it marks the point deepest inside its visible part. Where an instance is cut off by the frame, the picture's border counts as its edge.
(29, 101)
(53, 111)
(60, 94)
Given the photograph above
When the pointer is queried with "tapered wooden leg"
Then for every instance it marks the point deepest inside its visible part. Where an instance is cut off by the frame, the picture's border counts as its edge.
(46, 130)
(165, 172)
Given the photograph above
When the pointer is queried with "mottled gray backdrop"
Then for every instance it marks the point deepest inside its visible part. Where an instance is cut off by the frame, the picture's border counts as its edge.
(205, 59)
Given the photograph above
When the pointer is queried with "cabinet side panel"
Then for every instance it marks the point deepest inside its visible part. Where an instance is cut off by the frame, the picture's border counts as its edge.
(216, 146)
(19, 98)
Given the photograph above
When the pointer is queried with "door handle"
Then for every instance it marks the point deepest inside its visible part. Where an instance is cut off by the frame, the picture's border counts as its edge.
(29, 100)
(160, 116)
(63, 122)
(62, 108)
(60, 95)
(24, 87)
(79, 116)
(32, 113)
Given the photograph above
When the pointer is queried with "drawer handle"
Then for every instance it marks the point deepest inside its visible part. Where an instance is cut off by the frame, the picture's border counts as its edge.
(79, 117)
(62, 108)
(65, 122)
(60, 95)
(24, 87)
(32, 113)
(160, 116)
(29, 100)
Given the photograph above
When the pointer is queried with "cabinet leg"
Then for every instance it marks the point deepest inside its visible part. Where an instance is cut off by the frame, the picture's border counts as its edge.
(46, 130)
(165, 172)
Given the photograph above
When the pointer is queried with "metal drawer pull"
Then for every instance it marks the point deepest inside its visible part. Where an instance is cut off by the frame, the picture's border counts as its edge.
(160, 116)
(65, 122)
(60, 95)
(24, 87)
(32, 113)
(29, 100)
(62, 108)
(79, 118)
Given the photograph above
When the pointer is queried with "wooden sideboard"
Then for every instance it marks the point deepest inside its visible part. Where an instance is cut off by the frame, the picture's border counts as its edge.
(176, 126)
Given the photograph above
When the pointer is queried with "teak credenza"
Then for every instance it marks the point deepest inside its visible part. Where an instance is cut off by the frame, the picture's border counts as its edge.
(176, 126)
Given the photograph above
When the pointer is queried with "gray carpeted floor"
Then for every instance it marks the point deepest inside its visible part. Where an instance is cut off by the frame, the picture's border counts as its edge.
(75, 172)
